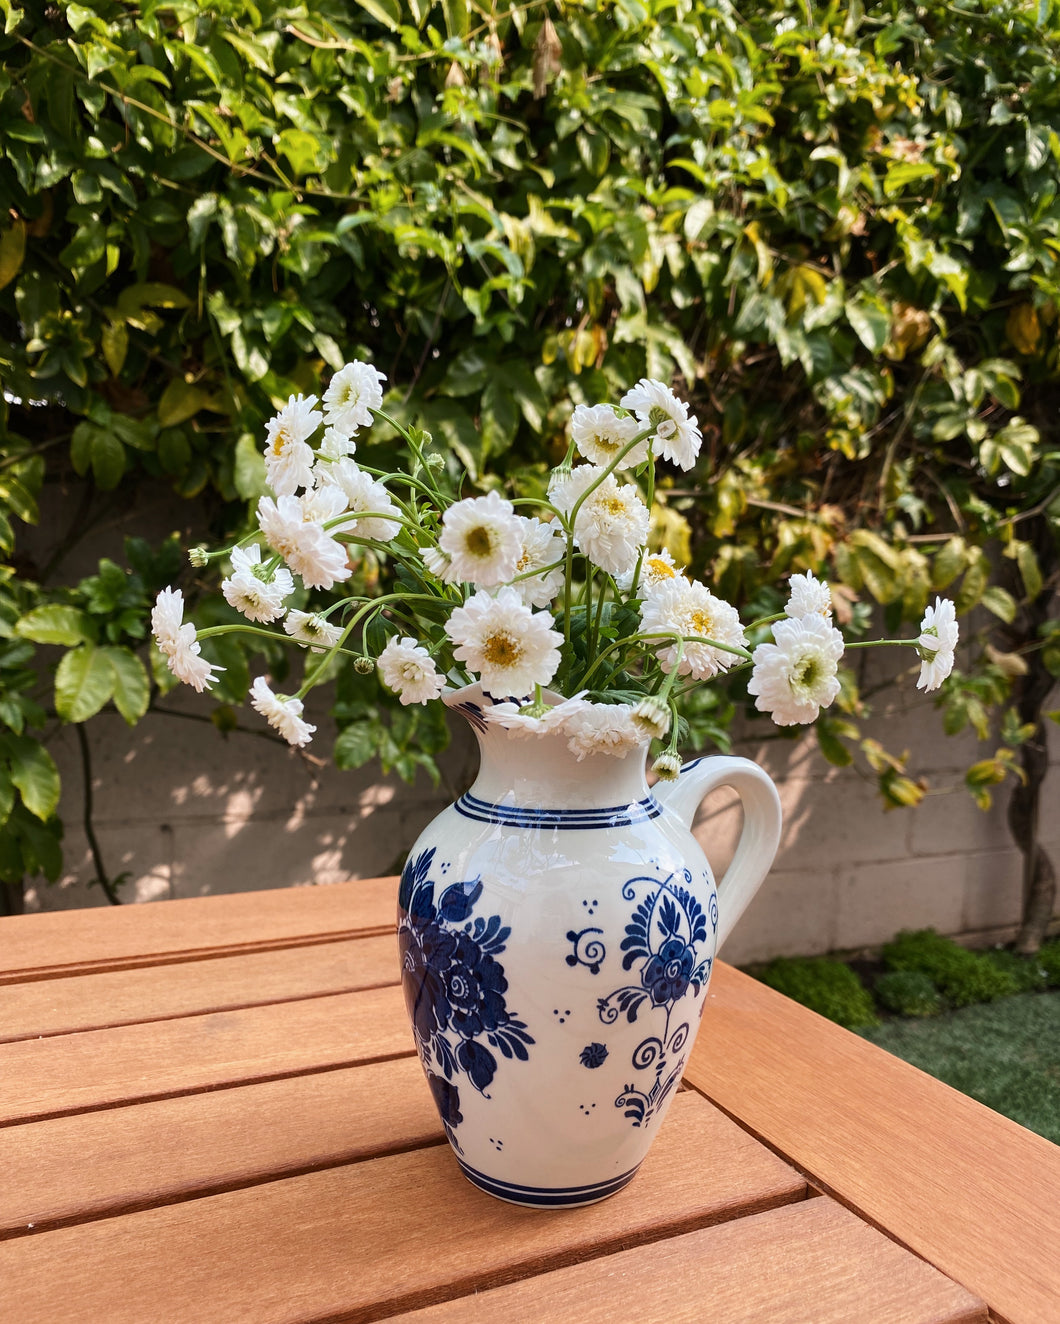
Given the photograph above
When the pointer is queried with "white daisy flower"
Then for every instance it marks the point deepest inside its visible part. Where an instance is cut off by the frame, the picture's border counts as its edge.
(408, 669)
(249, 590)
(938, 639)
(438, 564)
(599, 434)
(688, 607)
(308, 628)
(656, 568)
(167, 618)
(510, 647)
(288, 455)
(795, 677)
(523, 724)
(808, 597)
(362, 493)
(282, 713)
(335, 445)
(611, 525)
(542, 544)
(483, 539)
(353, 393)
(677, 436)
(603, 728)
(322, 503)
(308, 550)
(177, 641)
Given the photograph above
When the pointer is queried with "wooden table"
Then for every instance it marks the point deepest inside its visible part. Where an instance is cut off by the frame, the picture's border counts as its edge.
(210, 1111)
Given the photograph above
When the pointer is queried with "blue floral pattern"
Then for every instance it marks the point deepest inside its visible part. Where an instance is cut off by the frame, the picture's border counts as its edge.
(593, 1055)
(454, 986)
(663, 941)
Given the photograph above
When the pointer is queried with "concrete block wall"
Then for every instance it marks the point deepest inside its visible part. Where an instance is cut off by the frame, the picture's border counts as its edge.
(188, 812)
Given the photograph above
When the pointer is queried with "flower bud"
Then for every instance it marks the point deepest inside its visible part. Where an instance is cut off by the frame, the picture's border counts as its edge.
(651, 718)
(364, 666)
(667, 767)
(434, 461)
(198, 556)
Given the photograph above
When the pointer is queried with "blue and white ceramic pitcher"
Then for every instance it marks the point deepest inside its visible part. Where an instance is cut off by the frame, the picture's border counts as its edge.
(557, 928)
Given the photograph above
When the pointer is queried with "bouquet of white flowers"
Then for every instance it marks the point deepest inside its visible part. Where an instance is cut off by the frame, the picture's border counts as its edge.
(518, 594)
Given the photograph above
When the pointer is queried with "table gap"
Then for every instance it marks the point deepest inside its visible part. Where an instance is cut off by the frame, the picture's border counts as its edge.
(197, 1011)
(121, 1209)
(105, 966)
(210, 1089)
(560, 1259)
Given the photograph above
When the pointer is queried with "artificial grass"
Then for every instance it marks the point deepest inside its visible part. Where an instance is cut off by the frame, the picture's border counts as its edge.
(1006, 1054)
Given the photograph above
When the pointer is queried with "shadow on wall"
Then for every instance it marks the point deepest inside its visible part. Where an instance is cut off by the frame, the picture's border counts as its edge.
(188, 812)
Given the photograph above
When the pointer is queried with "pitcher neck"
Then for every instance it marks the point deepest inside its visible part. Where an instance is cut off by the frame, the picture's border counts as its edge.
(540, 771)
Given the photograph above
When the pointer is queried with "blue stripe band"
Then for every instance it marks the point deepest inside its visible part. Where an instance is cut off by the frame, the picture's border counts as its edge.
(640, 811)
(545, 1196)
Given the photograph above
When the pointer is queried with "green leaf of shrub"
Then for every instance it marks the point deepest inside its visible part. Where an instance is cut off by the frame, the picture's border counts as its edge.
(55, 624)
(132, 689)
(84, 681)
(33, 771)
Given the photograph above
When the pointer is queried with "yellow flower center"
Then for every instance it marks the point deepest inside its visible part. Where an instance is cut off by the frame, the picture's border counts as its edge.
(279, 441)
(606, 443)
(501, 650)
(701, 623)
(659, 569)
(479, 541)
(614, 505)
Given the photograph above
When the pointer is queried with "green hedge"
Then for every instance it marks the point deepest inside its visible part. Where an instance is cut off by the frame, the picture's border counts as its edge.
(837, 227)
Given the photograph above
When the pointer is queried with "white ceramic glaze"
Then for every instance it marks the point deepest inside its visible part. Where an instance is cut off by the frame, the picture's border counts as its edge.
(557, 926)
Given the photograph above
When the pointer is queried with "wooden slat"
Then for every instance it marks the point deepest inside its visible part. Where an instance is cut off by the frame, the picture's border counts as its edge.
(71, 1169)
(359, 1242)
(42, 1078)
(812, 1261)
(972, 1192)
(125, 997)
(107, 937)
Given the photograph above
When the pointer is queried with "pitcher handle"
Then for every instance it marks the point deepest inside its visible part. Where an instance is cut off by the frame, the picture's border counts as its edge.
(761, 825)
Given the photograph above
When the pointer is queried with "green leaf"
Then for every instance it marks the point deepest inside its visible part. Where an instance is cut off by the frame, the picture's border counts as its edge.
(55, 624)
(948, 562)
(12, 251)
(249, 472)
(1000, 602)
(356, 745)
(115, 341)
(33, 771)
(871, 320)
(1030, 571)
(132, 690)
(84, 681)
(7, 795)
(181, 401)
(108, 460)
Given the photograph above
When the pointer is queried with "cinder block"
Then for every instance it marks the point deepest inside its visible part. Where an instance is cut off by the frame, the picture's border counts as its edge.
(876, 901)
(793, 914)
(241, 857)
(952, 823)
(993, 889)
(144, 852)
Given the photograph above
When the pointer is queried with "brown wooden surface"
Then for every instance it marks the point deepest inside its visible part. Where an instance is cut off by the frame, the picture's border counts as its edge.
(157, 1153)
(224, 1121)
(809, 1263)
(357, 1241)
(114, 938)
(128, 997)
(969, 1190)
(103, 1068)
